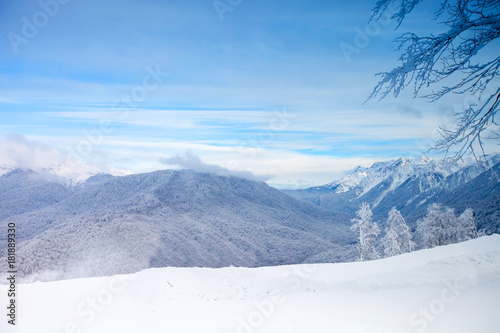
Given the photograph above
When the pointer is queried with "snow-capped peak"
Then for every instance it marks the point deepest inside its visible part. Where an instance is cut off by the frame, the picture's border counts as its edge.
(364, 179)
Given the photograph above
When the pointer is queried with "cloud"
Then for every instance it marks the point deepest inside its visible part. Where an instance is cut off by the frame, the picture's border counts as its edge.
(22, 153)
(188, 160)
(17, 151)
(410, 111)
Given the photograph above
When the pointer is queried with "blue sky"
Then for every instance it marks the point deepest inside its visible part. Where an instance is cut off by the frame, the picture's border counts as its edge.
(265, 87)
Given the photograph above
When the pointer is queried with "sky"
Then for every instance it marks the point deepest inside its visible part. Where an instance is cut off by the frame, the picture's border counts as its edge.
(275, 89)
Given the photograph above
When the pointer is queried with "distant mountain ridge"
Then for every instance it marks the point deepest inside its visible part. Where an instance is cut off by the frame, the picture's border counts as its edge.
(411, 185)
(110, 225)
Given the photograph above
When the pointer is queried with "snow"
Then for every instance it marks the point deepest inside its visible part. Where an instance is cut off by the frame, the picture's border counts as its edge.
(454, 288)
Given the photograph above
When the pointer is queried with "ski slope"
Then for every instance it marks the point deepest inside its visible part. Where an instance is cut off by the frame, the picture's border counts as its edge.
(453, 288)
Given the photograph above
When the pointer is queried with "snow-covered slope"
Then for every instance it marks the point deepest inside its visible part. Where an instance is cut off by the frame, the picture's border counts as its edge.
(454, 288)
(23, 191)
(482, 193)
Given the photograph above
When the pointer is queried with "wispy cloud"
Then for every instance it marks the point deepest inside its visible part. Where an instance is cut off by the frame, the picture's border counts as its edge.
(224, 80)
(408, 110)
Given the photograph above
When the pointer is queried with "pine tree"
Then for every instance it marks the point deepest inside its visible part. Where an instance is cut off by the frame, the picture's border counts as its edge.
(397, 239)
(368, 232)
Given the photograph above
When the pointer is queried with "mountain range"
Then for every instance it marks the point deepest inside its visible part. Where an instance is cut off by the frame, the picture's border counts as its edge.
(113, 225)
(411, 185)
(106, 224)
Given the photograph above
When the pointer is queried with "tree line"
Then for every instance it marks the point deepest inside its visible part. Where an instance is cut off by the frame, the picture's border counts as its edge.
(440, 226)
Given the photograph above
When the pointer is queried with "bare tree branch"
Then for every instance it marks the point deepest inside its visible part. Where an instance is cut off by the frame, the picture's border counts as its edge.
(451, 56)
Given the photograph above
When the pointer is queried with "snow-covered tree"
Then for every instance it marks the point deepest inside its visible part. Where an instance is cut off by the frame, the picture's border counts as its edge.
(467, 227)
(450, 225)
(440, 226)
(397, 239)
(368, 232)
(460, 59)
(437, 227)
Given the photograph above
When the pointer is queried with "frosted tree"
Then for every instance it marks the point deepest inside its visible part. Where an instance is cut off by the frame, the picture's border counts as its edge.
(461, 59)
(436, 228)
(450, 226)
(397, 239)
(441, 227)
(391, 244)
(368, 232)
(466, 226)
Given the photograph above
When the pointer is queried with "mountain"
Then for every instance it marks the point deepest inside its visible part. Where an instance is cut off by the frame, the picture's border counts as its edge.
(452, 288)
(121, 224)
(482, 193)
(23, 191)
(110, 225)
(411, 185)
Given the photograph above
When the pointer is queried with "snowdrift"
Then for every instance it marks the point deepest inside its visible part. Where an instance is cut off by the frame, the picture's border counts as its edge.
(453, 288)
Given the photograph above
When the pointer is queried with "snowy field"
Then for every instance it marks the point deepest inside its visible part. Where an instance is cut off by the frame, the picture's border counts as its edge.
(454, 288)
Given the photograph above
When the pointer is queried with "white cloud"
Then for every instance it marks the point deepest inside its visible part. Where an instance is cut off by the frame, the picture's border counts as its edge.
(393, 123)
(290, 168)
(19, 152)
(188, 160)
